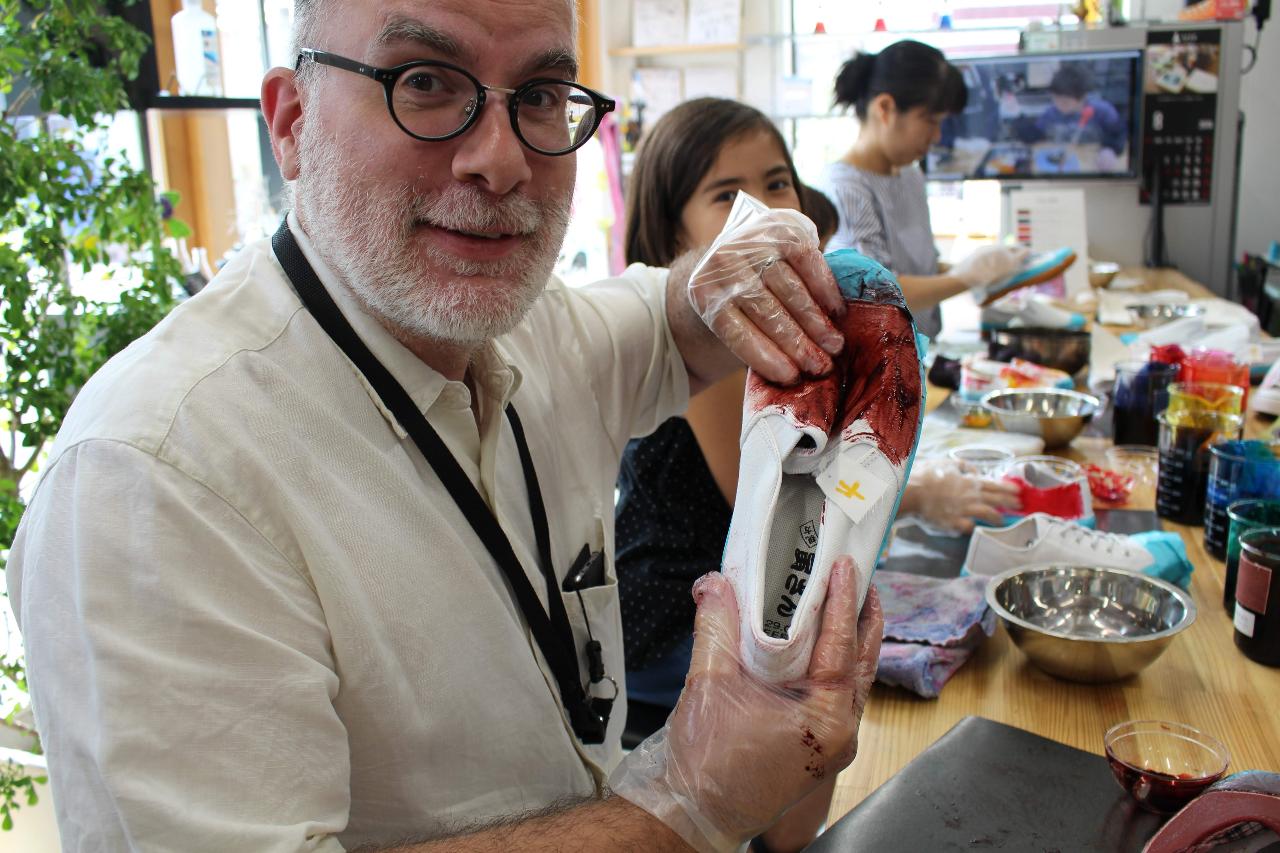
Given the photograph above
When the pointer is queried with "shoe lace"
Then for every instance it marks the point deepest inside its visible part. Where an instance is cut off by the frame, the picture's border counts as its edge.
(1095, 540)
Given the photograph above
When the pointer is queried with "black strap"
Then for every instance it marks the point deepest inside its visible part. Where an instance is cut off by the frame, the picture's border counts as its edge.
(552, 633)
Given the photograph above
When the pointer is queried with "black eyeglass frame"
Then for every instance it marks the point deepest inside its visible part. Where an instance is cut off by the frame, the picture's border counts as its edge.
(389, 76)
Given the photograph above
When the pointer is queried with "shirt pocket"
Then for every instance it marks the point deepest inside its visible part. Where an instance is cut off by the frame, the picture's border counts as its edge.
(595, 614)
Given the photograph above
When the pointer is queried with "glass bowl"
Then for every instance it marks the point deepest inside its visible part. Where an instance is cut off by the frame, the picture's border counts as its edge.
(1163, 765)
(1136, 460)
(984, 459)
(970, 413)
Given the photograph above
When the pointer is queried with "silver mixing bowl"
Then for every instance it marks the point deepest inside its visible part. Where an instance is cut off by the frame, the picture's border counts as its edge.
(1150, 316)
(1089, 624)
(1056, 415)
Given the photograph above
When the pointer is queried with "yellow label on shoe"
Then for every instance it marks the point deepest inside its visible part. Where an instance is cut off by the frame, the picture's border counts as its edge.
(850, 485)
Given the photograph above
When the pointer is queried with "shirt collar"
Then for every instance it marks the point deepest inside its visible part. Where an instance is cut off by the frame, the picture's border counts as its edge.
(493, 376)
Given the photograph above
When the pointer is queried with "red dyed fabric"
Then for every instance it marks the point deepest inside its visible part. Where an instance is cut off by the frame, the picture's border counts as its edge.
(1064, 501)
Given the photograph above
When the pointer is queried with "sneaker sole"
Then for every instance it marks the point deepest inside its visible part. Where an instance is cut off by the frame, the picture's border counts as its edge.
(1041, 270)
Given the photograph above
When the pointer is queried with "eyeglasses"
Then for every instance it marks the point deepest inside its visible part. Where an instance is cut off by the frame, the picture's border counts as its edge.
(434, 101)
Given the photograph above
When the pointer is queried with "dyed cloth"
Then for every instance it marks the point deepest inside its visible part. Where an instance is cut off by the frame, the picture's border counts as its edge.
(931, 627)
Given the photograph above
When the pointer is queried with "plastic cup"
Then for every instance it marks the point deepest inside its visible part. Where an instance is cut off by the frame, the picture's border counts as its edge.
(1141, 392)
(1257, 615)
(1243, 516)
(1237, 470)
(1183, 476)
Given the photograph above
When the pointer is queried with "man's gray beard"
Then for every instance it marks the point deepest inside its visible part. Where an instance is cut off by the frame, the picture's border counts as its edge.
(367, 242)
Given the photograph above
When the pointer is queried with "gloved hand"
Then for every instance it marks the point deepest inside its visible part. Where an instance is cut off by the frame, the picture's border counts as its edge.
(989, 265)
(737, 752)
(766, 292)
(947, 496)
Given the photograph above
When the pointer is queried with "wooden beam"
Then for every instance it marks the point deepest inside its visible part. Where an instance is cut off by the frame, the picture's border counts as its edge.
(194, 152)
(590, 71)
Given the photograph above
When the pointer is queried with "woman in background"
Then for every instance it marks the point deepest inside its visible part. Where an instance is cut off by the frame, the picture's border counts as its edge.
(901, 95)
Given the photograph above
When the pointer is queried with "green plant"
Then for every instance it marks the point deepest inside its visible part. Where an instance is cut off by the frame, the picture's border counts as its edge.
(73, 219)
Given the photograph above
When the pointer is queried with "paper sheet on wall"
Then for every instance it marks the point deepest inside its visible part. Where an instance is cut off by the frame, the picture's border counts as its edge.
(659, 88)
(794, 96)
(710, 81)
(1045, 220)
(715, 21)
(658, 22)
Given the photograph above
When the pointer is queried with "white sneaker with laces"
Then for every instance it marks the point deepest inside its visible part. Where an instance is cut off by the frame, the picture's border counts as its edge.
(824, 463)
(1042, 539)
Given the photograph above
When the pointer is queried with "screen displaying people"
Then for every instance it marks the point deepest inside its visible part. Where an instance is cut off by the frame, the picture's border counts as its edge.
(1042, 117)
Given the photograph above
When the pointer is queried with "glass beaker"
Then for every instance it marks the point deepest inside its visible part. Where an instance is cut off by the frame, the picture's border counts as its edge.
(1183, 476)
(1141, 392)
(1237, 470)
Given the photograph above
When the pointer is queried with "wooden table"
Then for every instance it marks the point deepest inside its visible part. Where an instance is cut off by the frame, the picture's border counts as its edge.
(1201, 679)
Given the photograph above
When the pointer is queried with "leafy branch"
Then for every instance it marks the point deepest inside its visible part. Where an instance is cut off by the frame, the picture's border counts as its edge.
(71, 214)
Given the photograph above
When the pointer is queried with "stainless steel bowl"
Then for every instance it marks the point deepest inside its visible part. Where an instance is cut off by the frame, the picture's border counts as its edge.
(1063, 349)
(1102, 272)
(1150, 316)
(1089, 624)
(1056, 415)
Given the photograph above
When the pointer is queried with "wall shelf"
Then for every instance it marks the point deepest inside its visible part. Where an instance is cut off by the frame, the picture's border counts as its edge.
(675, 49)
(200, 102)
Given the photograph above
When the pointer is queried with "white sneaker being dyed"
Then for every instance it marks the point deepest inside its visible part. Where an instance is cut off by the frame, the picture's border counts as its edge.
(823, 466)
(1042, 539)
(1033, 310)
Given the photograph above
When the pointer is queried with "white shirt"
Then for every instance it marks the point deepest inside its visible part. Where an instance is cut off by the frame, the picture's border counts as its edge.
(254, 619)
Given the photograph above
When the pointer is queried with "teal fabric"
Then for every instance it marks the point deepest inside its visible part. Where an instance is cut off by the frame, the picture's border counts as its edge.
(1171, 562)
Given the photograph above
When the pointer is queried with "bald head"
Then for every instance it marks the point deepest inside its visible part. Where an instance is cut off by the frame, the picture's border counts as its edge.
(308, 15)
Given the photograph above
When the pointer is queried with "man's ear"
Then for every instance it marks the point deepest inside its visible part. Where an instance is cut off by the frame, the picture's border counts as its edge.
(282, 108)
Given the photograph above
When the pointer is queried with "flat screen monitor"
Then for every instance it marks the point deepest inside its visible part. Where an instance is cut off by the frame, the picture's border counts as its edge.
(1044, 116)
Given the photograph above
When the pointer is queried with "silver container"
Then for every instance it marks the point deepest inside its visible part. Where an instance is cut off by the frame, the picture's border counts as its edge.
(1062, 349)
(1150, 316)
(1056, 415)
(1089, 624)
(1101, 273)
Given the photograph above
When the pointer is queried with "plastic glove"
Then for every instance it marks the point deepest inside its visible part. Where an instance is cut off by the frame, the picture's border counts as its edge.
(989, 265)
(765, 290)
(947, 496)
(737, 752)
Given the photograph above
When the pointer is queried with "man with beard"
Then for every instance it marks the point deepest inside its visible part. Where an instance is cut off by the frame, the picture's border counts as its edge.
(309, 561)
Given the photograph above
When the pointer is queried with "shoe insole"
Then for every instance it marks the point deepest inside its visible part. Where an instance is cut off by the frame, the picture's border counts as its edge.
(793, 541)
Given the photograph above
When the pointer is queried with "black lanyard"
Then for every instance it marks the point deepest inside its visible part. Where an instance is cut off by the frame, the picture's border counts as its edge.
(553, 634)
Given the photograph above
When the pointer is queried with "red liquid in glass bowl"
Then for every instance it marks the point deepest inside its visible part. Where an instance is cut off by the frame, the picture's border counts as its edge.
(1164, 765)
(1157, 792)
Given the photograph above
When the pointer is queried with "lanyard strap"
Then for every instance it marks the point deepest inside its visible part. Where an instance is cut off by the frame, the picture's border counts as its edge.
(552, 633)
